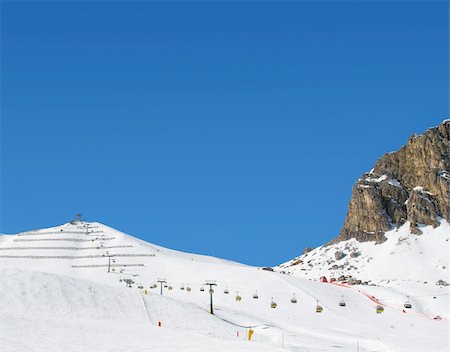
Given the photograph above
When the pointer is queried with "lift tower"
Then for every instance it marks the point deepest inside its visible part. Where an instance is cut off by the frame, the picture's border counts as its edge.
(211, 283)
(161, 282)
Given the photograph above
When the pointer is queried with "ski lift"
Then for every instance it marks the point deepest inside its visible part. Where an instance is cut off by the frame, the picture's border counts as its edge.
(140, 287)
(319, 308)
(273, 304)
(379, 309)
(188, 289)
(293, 299)
(255, 295)
(238, 298)
(226, 291)
(342, 302)
(202, 289)
(407, 304)
(182, 287)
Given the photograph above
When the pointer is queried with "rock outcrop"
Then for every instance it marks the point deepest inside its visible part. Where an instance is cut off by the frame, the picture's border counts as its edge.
(412, 184)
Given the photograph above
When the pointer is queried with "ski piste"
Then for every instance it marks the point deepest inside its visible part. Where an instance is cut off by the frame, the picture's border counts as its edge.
(84, 286)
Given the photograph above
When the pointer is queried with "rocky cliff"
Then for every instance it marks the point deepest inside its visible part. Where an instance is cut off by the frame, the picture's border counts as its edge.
(412, 184)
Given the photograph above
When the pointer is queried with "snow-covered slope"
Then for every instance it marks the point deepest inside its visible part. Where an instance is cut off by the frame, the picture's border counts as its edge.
(402, 257)
(56, 295)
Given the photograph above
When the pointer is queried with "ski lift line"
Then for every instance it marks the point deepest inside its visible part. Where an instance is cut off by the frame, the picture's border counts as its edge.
(388, 298)
(338, 297)
(297, 288)
(380, 303)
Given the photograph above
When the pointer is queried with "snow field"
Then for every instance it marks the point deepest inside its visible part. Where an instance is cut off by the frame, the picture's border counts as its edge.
(47, 303)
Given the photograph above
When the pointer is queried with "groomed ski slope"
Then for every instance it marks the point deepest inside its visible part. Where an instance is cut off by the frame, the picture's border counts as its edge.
(46, 304)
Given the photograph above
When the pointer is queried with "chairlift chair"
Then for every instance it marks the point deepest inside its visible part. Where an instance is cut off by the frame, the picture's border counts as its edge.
(319, 308)
(182, 287)
(226, 291)
(238, 298)
(255, 295)
(188, 289)
(170, 288)
(407, 304)
(342, 302)
(379, 309)
(273, 304)
(202, 289)
(293, 299)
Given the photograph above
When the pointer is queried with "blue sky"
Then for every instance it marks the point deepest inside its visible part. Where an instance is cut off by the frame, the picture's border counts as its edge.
(231, 129)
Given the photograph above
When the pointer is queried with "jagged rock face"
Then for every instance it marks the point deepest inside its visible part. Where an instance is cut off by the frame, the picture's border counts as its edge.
(412, 184)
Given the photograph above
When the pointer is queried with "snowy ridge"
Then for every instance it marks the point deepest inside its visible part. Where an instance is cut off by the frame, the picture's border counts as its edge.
(403, 256)
(55, 289)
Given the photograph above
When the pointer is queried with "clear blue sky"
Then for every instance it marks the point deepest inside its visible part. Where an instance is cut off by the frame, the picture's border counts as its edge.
(231, 129)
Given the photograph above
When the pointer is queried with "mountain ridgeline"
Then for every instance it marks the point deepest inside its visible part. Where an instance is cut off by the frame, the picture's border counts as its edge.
(411, 184)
